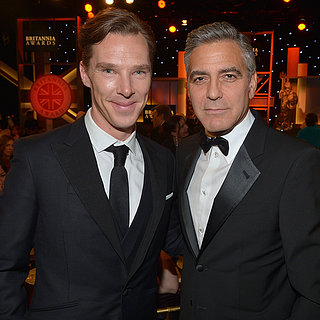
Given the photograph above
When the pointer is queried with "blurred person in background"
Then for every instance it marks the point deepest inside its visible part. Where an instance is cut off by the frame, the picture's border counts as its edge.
(6, 151)
(174, 129)
(15, 132)
(160, 114)
(311, 133)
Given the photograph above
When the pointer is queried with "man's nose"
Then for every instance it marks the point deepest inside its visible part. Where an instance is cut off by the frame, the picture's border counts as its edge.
(125, 87)
(214, 91)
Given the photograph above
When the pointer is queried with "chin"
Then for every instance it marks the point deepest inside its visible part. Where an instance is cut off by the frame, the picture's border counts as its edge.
(125, 126)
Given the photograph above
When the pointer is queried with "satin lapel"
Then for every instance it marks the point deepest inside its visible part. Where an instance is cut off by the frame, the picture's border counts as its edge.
(190, 162)
(158, 176)
(78, 161)
(238, 182)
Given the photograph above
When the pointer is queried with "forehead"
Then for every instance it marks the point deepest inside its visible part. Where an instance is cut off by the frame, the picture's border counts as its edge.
(220, 54)
(126, 47)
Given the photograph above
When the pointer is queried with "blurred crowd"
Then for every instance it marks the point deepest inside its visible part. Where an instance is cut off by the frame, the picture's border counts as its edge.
(9, 132)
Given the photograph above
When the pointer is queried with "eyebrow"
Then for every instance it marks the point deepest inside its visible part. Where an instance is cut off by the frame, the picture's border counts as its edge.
(198, 73)
(222, 71)
(231, 69)
(104, 66)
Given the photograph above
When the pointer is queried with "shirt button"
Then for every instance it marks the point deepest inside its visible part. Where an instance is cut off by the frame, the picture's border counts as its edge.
(201, 230)
(216, 154)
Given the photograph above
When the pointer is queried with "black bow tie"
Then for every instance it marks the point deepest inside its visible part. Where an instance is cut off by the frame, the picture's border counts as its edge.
(206, 143)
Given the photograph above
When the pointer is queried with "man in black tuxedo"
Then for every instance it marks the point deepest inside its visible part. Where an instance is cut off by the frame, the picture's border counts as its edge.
(96, 254)
(249, 197)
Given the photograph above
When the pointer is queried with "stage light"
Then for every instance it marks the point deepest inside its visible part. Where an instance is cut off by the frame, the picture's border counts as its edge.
(88, 7)
(301, 26)
(286, 1)
(109, 2)
(129, 1)
(90, 14)
(184, 22)
(172, 29)
(161, 4)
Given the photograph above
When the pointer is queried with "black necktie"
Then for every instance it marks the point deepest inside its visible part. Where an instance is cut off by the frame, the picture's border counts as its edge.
(206, 143)
(119, 187)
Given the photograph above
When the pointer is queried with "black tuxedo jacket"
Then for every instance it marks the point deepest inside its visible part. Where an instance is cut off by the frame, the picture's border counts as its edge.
(260, 257)
(54, 201)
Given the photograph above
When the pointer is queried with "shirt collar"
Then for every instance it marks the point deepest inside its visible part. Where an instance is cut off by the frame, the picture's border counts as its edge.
(237, 136)
(101, 140)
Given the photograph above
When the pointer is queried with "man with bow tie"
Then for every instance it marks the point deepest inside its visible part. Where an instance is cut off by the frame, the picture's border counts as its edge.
(249, 196)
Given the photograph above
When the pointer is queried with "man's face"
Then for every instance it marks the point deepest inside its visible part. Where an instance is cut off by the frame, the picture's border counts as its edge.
(119, 76)
(218, 86)
(8, 149)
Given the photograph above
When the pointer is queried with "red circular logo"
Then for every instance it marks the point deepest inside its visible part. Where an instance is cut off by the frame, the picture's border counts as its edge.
(50, 96)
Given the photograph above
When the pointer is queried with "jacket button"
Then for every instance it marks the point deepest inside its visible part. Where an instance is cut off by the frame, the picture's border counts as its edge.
(199, 267)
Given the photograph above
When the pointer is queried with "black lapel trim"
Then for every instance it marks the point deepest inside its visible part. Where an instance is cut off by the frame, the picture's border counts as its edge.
(240, 178)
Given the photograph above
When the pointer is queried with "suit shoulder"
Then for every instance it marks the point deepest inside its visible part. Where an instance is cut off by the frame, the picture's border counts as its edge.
(45, 139)
(287, 143)
(160, 156)
(187, 143)
(154, 146)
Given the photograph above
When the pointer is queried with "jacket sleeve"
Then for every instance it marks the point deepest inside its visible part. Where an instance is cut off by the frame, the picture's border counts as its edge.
(174, 241)
(300, 232)
(17, 223)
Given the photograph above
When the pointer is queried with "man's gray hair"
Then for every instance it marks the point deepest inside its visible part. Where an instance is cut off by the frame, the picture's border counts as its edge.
(220, 31)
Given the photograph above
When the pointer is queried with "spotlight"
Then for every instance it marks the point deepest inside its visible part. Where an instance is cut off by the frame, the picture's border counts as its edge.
(88, 7)
(302, 24)
(161, 4)
(129, 1)
(109, 2)
(172, 29)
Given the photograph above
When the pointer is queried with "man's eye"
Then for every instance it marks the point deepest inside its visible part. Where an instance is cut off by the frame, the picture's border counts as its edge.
(108, 71)
(230, 76)
(140, 72)
(198, 79)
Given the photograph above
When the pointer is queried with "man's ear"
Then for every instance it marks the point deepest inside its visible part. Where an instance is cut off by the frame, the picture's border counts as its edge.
(84, 76)
(252, 85)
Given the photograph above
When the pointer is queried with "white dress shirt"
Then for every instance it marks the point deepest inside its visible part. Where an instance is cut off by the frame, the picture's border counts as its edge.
(209, 174)
(134, 163)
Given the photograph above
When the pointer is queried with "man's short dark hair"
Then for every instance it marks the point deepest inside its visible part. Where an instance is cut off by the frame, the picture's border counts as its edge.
(311, 119)
(220, 31)
(116, 21)
(163, 109)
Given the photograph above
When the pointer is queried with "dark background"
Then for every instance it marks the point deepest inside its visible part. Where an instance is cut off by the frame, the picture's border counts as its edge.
(247, 16)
